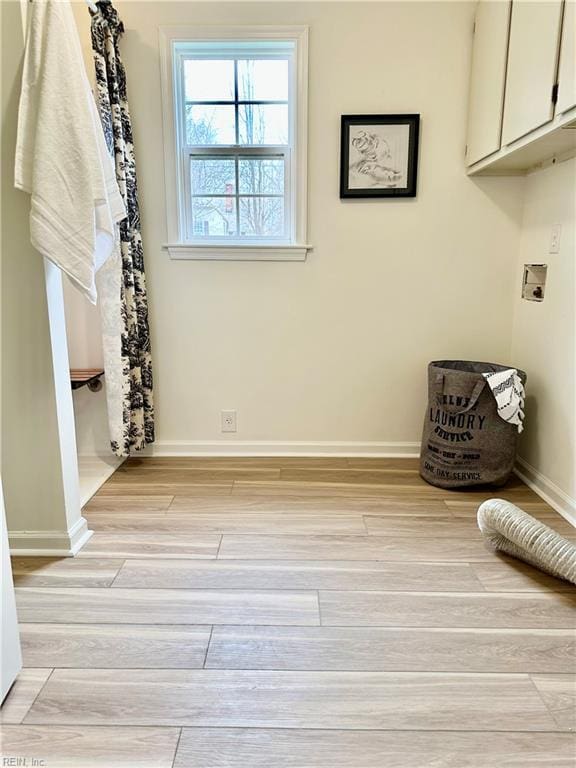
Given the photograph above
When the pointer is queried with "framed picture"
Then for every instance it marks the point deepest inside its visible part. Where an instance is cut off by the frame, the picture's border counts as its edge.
(379, 155)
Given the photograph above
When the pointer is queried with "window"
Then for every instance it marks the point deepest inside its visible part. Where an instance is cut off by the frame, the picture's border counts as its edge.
(236, 142)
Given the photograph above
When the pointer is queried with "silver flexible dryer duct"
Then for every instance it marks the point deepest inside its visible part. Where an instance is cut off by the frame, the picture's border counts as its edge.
(511, 530)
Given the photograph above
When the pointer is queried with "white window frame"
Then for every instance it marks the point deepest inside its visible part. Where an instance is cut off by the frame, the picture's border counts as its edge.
(293, 246)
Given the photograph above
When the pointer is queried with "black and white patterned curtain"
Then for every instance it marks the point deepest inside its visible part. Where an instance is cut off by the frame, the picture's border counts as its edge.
(136, 371)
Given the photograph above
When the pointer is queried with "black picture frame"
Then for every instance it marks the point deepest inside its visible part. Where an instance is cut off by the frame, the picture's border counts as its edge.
(387, 159)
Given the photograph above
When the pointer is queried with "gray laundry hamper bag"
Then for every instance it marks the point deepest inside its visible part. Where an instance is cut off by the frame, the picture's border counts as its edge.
(465, 442)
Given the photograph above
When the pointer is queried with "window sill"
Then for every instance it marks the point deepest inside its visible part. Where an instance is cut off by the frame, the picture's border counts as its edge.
(237, 252)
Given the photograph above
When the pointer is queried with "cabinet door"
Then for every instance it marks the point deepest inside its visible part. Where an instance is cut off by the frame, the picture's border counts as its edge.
(567, 69)
(532, 61)
(487, 79)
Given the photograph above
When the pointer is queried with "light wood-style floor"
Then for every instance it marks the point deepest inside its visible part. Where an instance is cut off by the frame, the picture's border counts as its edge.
(292, 613)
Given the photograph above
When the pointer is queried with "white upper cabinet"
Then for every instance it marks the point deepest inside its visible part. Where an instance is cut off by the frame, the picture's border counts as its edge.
(487, 79)
(532, 63)
(567, 68)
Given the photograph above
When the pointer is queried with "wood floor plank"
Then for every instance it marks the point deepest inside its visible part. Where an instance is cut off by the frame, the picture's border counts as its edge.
(411, 609)
(392, 649)
(64, 571)
(517, 493)
(151, 545)
(354, 548)
(285, 748)
(128, 522)
(391, 492)
(166, 489)
(559, 695)
(511, 575)
(187, 475)
(370, 700)
(19, 700)
(297, 574)
(404, 525)
(441, 526)
(237, 462)
(287, 488)
(193, 523)
(537, 508)
(163, 606)
(90, 747)
(385, 477)
(391, 462)
(141, 505)
(114, 646)
(313, 505)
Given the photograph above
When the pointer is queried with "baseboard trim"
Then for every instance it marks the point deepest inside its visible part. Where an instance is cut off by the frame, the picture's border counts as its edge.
(259, 448)
(547, 490)
(50, 543)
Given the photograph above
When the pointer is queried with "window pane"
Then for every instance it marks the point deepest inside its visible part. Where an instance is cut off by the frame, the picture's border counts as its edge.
(207, 124)
(263, 80)
(213, 216)
(262, 216)
(259, 176)
(208, 80)
(212, 175)
(263, 124)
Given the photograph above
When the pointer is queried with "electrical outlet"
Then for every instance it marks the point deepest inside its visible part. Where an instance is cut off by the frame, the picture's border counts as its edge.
(228, 421)
(555, 239)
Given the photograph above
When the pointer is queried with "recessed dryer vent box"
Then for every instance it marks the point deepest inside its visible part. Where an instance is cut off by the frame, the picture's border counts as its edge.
(534, 282)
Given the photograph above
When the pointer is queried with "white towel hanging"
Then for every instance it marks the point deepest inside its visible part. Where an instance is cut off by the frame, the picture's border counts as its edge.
(61, 156)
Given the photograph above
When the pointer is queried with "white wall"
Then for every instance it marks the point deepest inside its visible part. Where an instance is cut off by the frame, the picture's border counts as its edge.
(96, 462)
(82, 329)
(334, 349)
(543, 341)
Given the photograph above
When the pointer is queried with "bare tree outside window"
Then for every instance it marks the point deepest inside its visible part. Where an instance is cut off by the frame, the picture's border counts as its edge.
(240, 193)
